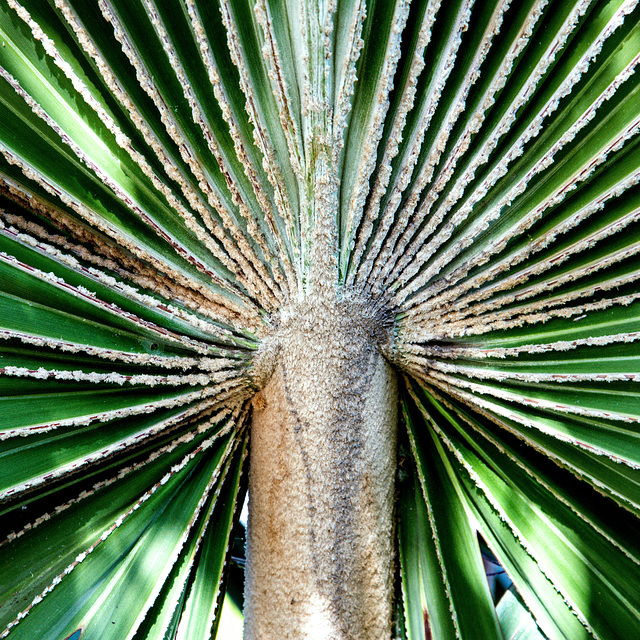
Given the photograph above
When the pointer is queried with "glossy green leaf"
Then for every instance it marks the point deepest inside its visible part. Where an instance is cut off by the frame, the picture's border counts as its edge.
(53, 541)
(448, 555)
(575, 549)
(177, 175)
(135, 558)
(424, 592)
(202, 608)
(515, 620)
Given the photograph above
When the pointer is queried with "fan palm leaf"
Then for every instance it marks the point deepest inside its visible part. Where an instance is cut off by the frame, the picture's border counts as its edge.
(180, 180)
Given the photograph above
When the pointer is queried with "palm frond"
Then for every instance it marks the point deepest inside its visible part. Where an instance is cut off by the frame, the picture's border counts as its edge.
(176, 175)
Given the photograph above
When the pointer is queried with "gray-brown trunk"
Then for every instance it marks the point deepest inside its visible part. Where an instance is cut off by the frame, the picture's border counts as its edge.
(321, 488)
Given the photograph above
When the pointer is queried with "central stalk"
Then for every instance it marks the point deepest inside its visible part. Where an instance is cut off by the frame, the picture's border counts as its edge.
(320, 551)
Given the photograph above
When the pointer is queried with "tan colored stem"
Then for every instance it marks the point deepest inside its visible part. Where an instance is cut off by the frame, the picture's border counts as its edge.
(323, 457)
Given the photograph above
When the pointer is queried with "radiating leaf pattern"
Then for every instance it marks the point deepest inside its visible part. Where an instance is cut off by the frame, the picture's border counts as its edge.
(168, 170)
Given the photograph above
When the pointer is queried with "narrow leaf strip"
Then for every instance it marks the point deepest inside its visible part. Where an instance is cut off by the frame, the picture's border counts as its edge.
(121, 543)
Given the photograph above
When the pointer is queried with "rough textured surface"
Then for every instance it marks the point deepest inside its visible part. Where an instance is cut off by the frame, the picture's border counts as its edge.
(323, 457)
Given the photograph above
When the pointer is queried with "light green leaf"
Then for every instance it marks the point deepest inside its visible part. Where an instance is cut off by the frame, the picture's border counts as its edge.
(515, 620)
(448, 556)
(136, 554)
